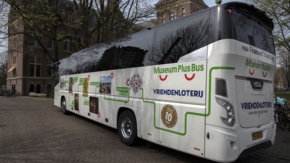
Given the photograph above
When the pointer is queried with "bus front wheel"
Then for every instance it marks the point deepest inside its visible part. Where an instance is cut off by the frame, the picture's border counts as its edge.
(63, 106)
(127, 128)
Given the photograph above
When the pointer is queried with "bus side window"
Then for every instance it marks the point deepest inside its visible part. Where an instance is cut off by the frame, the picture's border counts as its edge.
(176, 39)
(251, 40)
(221, 87)
(127, 53)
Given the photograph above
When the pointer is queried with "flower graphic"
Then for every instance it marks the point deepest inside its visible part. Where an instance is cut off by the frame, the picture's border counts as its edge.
(136, 82)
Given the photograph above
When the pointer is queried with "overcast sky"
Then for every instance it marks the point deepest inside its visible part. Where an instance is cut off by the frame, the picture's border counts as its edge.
(211, 3)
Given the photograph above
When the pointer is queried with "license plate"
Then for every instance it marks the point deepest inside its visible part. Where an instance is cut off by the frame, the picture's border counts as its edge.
(257, 135)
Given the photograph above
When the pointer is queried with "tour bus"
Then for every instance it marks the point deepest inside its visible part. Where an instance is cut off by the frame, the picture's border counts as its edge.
(202, 84)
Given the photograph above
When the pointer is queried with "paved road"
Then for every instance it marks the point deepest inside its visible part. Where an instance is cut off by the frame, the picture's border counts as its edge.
(33, 130)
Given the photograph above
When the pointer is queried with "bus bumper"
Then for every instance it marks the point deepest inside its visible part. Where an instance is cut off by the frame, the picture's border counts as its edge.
(255, 149)
(224, 145)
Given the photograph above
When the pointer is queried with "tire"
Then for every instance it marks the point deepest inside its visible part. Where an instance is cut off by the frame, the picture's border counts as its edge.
(63, 106)
(127, 128)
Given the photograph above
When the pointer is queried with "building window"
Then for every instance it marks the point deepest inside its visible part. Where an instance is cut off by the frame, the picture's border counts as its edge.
(37, 59)
(15, 30)
(31, 88)
(14, 60)
(33, 42)
(15, 40)
(67, 45)
(49, 66)
(14, 72)
(37, 70)
(32, 70)
(32, 60)
(30, 42)
(39, 37)
(13, 87)
(48, 70)
(49, 62)
(50, 44)
(172, 16)
(38, 88)
(183, 12)
(35, 66)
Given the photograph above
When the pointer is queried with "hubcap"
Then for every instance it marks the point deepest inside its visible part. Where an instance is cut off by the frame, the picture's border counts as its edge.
(126, 128)
(63, 105)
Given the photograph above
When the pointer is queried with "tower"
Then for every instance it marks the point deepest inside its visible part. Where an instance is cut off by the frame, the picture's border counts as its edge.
(168, 10)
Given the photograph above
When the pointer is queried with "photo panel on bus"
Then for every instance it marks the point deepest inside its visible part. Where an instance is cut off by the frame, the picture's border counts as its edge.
(94, 105)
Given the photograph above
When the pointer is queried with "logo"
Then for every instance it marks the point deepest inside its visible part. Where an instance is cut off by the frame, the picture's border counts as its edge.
(189, 78)
(169, 116)
(256, 105)
(128, 81)
(177, 92)
(251, 72)
(257, 85)
(136, 82)
(162, 79)
(264, 74)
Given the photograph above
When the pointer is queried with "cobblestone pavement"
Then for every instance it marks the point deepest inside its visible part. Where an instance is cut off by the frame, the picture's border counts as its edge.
(34, 130)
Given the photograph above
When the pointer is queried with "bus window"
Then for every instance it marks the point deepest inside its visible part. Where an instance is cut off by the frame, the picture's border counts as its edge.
(126, 52)
(174, 40)
(251, 32)
(244, 23)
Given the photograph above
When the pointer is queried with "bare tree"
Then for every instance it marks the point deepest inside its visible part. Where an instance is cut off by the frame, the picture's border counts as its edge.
(4, 10)
(283, 60)
(280, 78)
(279, 11)
(107, 20)
(3, 68)
(83, 22)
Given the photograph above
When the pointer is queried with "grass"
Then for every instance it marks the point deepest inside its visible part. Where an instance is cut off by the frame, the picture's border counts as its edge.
(284, 94)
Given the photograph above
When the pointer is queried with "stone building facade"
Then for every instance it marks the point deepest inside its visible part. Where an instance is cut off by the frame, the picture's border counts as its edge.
(168, 10)
(29, 68)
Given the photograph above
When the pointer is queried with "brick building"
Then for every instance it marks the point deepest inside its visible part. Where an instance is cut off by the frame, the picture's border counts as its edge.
(29, 69)
(168, 10)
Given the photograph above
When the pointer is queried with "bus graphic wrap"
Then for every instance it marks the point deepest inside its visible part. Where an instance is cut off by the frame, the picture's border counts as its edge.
(202, 84)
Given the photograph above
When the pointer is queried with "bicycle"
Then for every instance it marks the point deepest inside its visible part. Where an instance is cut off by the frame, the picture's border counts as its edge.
(12, 93)
(281, 113)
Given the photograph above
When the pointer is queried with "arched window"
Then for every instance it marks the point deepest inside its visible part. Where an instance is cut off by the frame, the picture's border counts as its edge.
(31, 88)
(38, 88)
(13, 87)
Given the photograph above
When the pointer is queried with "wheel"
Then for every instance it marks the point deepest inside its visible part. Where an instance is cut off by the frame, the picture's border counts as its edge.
(127, 128)
(63, 106)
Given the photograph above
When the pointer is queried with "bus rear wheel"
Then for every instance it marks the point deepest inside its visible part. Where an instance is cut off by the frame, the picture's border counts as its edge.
(63, 106)
(127, 128)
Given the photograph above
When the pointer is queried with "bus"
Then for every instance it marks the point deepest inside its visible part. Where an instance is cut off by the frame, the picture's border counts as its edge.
(201, 84)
